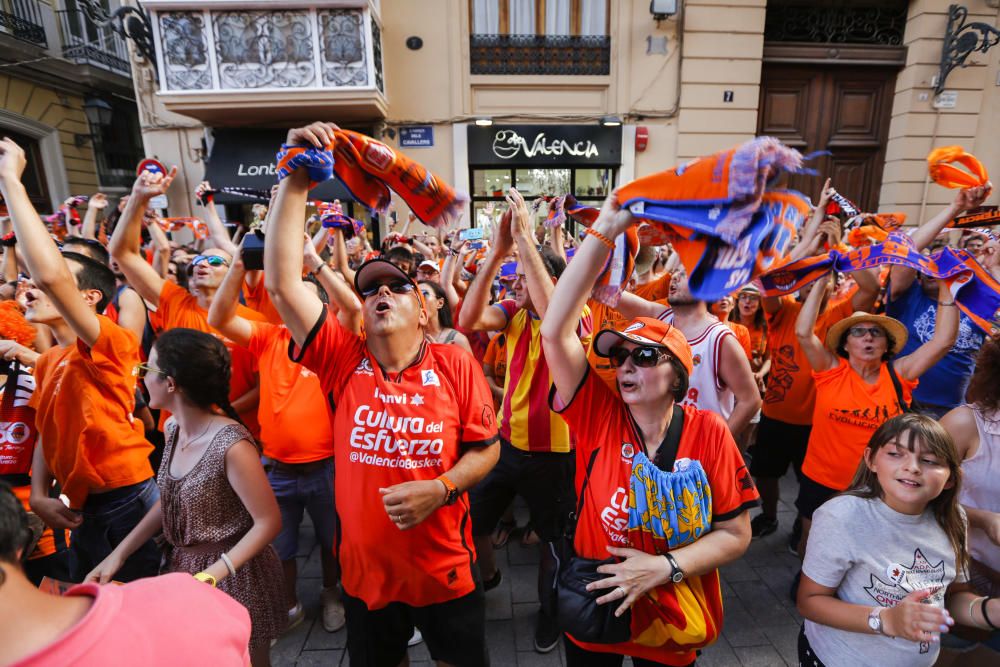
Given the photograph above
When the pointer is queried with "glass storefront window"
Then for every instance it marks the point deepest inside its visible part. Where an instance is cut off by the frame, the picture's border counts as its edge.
(490, 182)
(537, 182)
(591, 182)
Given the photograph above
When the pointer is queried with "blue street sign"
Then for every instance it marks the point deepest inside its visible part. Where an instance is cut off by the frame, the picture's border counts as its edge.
(416, 136)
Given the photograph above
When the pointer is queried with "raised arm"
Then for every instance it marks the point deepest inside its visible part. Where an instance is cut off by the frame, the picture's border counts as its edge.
(97, 203)
(564, 353)
(915, 364)
(901, 277)
(9, 265)
(299, 308)
(735, 373)
(476, 314)
(868, 288)
(819, 357)
(223, 313)
(338, 250)
(217, 233)
(126, 241)
(451, 263)
(49, 271)
(341, 294)
(539, 281)
(161, 249)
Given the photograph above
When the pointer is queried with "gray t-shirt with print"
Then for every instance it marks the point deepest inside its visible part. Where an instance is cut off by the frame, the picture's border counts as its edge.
(874, 555)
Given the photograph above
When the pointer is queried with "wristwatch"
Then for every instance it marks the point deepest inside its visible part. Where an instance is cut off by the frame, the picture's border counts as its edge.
(875, 621)
(452, 496)
(676, 573)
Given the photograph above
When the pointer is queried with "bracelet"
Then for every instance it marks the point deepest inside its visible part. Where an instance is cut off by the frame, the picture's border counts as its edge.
(972, 603)
(986, 618)
(600, 237)
(206, 578)
(229, 564)
(942, 303)
(317, 270)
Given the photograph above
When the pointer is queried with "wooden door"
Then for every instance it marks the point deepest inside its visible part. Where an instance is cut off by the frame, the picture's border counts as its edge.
(841, 109)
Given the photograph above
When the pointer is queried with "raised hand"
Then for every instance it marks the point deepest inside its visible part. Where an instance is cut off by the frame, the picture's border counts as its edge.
(98, 201)
(12, 161)
(970, 198)
(319, 134)
(149, 185)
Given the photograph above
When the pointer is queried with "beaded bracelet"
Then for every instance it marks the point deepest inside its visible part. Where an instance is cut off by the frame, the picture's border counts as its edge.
(600, 237)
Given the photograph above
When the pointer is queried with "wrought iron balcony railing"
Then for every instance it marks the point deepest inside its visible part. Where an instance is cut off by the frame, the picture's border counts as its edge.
(23, 19)
(298, 48)
(540, 54)
(85, 43)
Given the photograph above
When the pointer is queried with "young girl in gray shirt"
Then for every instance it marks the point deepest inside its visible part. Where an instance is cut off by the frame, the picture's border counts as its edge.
(884, 572)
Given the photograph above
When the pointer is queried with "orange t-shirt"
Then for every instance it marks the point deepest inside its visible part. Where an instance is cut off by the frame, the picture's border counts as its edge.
(791, 394)
(257, 299)
(295, 417)
(178, 308)
(742, 337)
(83, 401)
(848, 411)
(391, 428)
(496, 356)
(654, 290)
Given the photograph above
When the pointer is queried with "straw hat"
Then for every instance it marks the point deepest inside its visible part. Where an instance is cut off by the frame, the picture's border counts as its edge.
(892, 326)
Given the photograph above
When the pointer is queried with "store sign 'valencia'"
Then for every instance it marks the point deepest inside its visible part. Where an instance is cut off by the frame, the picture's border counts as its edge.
(508, 144)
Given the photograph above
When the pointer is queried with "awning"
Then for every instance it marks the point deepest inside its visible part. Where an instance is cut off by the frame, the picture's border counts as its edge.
(244, 158)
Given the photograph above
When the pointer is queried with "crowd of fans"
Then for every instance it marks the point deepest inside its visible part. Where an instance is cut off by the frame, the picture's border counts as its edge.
(170, 411)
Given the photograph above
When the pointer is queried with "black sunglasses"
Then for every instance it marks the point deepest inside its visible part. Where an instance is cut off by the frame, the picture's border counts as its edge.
(395, 286)
(643, 357)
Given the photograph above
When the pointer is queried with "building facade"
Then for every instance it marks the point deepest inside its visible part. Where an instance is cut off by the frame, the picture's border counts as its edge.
(578, 96)
(68, 99)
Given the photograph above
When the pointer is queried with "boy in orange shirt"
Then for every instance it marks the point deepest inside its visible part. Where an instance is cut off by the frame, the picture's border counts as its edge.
(85, 395)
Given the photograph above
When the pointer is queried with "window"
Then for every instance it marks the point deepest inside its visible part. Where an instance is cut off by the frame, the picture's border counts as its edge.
(34, 172)
(589, 185)
(118, 146)
(540, 17)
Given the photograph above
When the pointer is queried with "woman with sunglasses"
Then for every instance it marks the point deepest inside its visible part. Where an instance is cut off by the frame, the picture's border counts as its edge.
(216, 508)
(662, 488)
(440, 325)
(860, 384)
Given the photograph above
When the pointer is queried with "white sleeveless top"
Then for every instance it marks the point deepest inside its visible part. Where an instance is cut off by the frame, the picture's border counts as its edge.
(980, 490)
(705, 390)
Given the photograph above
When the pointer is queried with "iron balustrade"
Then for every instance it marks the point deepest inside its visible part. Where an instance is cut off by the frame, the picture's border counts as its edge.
(84, 42)
(540, 54)
(23, 20)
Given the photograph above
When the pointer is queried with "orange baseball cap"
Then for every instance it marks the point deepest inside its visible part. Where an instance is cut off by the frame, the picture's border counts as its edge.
(651, 332)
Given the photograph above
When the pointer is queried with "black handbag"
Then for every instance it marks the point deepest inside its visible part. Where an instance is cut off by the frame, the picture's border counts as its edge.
(576, 608)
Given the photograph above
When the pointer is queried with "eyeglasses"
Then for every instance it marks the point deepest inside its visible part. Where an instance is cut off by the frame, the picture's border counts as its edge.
(643, 357)
(142, 370)
(211, 260)
(396, 287)
(859, 332)
(748, 297)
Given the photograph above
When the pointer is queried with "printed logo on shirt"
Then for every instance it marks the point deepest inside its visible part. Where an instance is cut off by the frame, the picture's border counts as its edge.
(364, 367)
(615, 517)
(904, 580)
(634, 327)
(488, 417)
(429, 378)
(782, 375)
(396, 399)
(868, 418)
(409, 442)
(696, 360)
(628, 451)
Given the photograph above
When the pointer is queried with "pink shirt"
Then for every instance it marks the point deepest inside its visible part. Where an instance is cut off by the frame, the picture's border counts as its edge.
(170, 620)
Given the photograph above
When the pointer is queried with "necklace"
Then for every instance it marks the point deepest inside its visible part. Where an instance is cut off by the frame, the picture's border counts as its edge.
(185, 446)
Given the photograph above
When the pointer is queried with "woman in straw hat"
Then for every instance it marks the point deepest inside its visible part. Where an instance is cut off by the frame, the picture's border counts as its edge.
(860, 384)
(662, 489)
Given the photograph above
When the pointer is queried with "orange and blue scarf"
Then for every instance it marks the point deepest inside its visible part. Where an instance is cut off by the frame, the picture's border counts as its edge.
(332, 216)
(940, 163)
(370, 169)
(976, 291)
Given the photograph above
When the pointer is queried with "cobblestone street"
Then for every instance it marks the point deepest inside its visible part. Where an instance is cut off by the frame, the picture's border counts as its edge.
(761, 623)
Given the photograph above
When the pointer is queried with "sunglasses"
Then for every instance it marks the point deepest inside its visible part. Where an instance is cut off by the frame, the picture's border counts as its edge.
(211, 260)
(859, 332)
(142, 370)
(396, 287)
(642, 357)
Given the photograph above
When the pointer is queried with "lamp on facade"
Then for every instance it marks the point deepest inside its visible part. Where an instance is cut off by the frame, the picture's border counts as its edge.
(961, 40)
(611, 121)
(661, 9)
(99, 114)
(484, 121)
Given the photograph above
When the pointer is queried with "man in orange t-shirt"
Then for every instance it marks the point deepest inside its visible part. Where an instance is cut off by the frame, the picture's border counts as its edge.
(414, 429)
(175, 307)
(84, 396)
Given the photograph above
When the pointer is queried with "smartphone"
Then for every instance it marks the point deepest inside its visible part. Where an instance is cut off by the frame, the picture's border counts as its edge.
(471, 234)
(477, 245)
